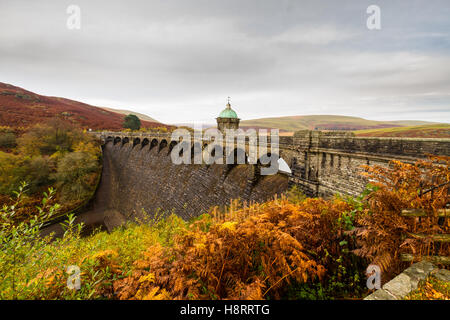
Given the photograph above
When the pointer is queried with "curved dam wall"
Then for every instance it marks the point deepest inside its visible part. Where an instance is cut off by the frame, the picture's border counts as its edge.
(137, 177)
(322, 163)
(138, 173)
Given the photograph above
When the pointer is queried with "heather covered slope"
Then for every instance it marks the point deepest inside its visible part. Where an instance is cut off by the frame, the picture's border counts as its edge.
(22, 108)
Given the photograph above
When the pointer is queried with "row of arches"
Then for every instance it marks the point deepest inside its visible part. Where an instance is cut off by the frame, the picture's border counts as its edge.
(236, 156)
(137, 142)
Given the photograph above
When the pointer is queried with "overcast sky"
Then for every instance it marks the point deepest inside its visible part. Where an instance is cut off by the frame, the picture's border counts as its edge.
(178, 61)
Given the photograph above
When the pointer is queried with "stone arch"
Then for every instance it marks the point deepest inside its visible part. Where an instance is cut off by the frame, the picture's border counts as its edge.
(144, 143)
(162, 144)
(264, 156)
(136, 141)
(154, 143)
(125, 140)
(288, 157)
(232, 157)
(214, 155)
(117, 140)
(213, 151)
(193, 149)
(109, 139)
(182, 144)
(172, 144)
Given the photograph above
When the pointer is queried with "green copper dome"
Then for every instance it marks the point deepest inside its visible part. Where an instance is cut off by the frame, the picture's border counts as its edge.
(228, 112)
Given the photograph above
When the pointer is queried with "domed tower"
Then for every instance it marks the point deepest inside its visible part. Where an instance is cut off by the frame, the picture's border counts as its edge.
(227, 119)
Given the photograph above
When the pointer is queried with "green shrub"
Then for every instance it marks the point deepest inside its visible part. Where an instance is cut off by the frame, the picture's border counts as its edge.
(295, 195)
(38, 171)
(76, 175)
(132, 122)
(20, 243)
(53, 136)
(12, 171)
(15, 168)
(7, 140)
(32, 267)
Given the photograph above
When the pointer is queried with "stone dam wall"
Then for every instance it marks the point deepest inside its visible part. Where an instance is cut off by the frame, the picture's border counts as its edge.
(138, 172)
(143, 177)
(326, 163)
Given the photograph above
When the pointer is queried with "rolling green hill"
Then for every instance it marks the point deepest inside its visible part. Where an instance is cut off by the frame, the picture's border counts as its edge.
(410, 123)
(325, 122)
(423, 131)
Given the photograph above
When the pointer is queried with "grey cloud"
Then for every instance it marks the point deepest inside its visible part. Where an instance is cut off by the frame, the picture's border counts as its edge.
(179, 60)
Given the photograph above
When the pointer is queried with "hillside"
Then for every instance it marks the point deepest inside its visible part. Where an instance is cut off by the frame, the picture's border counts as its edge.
(325, 122)
(423, 131)
(410, 123)
(126, 112)
(22, 108)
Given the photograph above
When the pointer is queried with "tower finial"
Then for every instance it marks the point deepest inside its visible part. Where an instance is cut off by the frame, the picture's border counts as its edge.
(228, 104)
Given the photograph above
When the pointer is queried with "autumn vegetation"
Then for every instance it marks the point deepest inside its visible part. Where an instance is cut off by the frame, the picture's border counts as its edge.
(52, 154)
(290, 247)
(381, 233)
(431, 288)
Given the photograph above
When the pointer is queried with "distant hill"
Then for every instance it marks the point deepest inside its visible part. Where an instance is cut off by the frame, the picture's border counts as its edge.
(141, 116)
(191, 125)
(423, 131)
(22, 108)
(409, 123)
(325, 122)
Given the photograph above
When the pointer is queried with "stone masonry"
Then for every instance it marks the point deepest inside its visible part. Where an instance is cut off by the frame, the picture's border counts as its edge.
(142, 177)
(138, 173)
(324, 163)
